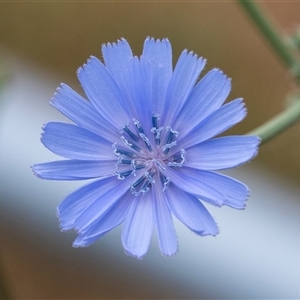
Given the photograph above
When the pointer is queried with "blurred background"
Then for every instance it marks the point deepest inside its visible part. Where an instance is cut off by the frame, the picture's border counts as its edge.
(256, 255)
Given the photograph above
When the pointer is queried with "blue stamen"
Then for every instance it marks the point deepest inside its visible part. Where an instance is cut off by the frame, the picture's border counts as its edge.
(130, 133)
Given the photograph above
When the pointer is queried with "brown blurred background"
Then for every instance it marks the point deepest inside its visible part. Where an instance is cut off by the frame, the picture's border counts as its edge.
(60, 36)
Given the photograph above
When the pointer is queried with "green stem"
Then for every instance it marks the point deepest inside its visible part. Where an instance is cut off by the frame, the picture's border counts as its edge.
(267, 29)
(291, 115)
(276, 125)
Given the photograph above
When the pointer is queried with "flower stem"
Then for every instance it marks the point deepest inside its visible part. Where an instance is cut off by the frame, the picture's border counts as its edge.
(291, 115)
(276, 41)
(276, 125)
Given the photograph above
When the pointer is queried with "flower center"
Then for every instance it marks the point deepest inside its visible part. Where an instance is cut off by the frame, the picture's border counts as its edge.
(145, 155)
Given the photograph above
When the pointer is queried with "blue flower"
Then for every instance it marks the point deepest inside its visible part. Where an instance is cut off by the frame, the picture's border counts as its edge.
(147, 135)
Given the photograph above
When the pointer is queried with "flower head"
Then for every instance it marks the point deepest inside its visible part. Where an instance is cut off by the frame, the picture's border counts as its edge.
(147, 135)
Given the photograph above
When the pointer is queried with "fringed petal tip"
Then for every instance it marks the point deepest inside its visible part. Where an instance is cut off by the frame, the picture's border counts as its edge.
(58, 215)
(58, 92)
(44, 126)
(170, 254)
(256, 150)
(55, 95)
(143, 255)
(88, 61)
(256, 144)
(166, 255)
(34, 171)
(239, 204)
(150, 39)
(110, 45)
(79, 244)
(193, 55)
(259, 140)
(83, 241)
(208, 233)
(64, 226)
(220, 72)
(40, 171)
(211, 229)
(135, 255)
(75, 245)
(255, 153)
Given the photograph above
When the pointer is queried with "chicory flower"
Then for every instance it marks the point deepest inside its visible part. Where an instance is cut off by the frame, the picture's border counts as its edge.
(147, 136)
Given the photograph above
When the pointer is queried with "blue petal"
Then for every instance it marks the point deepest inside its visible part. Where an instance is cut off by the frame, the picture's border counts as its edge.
(140, 91)
(165, 228)
(159, 54)
(74, 204)
(192, 181)
(138, 226)
(111, 219)
(233, 193)
(208, 95)
(216, 123)
(116, 58)
(182, 82)
(190, 211)
(75, 142)
(102, 204)
(82, 112)
(222, 153)
(83, 240)
(74, 169)
(104, 93)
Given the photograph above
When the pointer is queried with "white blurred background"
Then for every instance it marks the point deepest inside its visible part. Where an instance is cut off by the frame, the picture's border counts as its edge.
(257, 253)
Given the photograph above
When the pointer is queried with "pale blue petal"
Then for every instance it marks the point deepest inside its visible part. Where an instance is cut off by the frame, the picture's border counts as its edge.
(189, 181)
(138, 226)
(216, 123)
(208, 95)
(75, 142)
(159, 54)
(74, 169)
(83, 240)
(103, 92)
(75, 203)
(111, 219)
(190, 211)
(167, 239)
(222, 153)
(183, 79)
(140, 91)
(116, 58)
(82, 112)
(210, 186)
(99, 207)
(234, 193)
